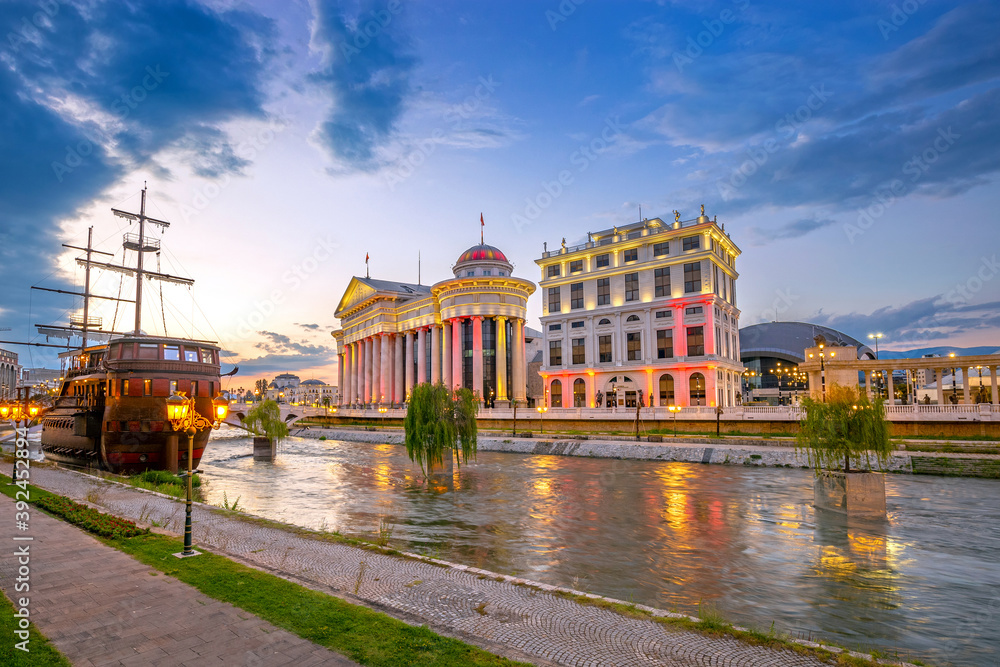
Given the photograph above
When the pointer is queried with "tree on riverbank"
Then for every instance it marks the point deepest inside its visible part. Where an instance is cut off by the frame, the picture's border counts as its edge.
(846, 425)
(436, 421)
(265, 419)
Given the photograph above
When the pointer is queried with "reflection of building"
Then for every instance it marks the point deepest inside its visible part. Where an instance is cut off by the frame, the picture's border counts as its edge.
(772, 352)
(10, 374)
(466, 331)
(645, 308)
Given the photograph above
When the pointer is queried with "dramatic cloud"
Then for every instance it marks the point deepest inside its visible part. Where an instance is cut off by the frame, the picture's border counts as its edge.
(281, 344)
(791, 230)
(367, 74)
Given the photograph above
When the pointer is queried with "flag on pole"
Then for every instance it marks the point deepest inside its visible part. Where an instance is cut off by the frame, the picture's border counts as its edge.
(482, 224)
(367, 275)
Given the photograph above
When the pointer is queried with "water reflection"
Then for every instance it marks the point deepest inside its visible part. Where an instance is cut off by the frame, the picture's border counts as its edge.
(673, 535)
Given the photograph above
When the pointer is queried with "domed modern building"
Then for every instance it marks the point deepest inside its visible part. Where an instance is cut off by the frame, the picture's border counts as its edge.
(466, 331)
(772, 351)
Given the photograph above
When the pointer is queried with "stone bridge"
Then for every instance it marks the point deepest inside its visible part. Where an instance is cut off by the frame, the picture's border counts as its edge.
(289, 413)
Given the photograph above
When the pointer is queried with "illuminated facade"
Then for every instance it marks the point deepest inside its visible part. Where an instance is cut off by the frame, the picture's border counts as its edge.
(10, 374)
(647, 309)
(467, 331)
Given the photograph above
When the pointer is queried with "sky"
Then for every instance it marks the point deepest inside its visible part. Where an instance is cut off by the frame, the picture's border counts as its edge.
(850, 149)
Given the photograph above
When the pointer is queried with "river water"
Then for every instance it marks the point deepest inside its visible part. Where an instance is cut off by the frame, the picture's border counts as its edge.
(745, 541)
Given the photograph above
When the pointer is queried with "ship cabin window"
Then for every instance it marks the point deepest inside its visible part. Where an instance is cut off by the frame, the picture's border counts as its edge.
(149, 351)
(171, 353)
(173, 387)
(126, 351)
(194, 389)
(206, 357)
(191, 354)
(147, 387)
(124, 388)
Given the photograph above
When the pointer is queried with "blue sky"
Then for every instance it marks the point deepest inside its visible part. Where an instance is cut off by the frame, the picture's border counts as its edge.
(850, 148)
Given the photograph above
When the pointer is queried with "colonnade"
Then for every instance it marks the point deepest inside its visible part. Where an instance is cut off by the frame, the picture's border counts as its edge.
(8, 380)
(945, 395)
(380, 369)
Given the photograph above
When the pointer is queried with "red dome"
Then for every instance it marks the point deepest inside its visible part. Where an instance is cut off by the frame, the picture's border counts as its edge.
(482, 252)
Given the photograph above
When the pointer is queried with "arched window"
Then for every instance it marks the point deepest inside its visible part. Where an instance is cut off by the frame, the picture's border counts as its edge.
(604, 321)
(579, 393)
(697, 388)
(666, 389)
(632, 318)
(556, 394)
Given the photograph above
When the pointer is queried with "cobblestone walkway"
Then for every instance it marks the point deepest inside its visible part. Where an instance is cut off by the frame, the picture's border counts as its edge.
(462, 600)
(99, 606)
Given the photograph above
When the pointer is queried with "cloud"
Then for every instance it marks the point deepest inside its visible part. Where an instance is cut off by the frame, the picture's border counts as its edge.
(367, 74)
(281, 344)
(790, 230)
(311, 327)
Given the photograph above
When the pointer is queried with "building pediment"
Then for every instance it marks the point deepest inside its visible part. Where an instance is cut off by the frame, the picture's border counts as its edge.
(357, 291)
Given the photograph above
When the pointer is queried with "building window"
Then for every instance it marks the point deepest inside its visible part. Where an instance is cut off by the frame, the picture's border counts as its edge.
(634, 341)
(556, 389)
(660, 249)
(603, 291)
(469, 274)
(604, 347)
(576, 296)
(603, 260)
(693, 310)
(579, 351)
(487, 272)
(603, 322)
(632, 286)
(552, 271)
(576, 266)
(697, 389)
(577, 325)
(579, 393)
(555, 305)
(632, 255)
(661, 280)
(632, 318)
(501, 273)
(664, 344)
(691, 243)
(692, 277)
(666, 389)
(696, 341)
(555, 327)
(171, 353)
(555, 353)
(664, 313)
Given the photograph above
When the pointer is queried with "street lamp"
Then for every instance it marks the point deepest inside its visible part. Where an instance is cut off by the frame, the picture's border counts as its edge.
(674, 409)
(542, 409)
(746, 384)
(875, 337)
(954, 392)
(822, 369)
(18, 410)
(382, 409)
(184, 418)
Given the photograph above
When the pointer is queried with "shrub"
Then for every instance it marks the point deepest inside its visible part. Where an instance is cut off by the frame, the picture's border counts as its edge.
(90, 519)
(847, 424)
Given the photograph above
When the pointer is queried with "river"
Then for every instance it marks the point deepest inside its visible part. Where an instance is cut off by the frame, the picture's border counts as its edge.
(745, 541)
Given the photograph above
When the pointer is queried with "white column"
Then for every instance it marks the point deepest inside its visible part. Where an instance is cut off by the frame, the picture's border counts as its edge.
(520, 369)
(367, 396)
(966, 375)
(869, 381)
(501, 338)
(355, 359)
(446, 356)
(477, 355)
(399, 392)
(421, 355)
(409, 362)
(341, 358)
(457, 360)
(993, 384)
(435, 354)
(376, 368)
(890, 389)
(940, 386)
(385, 370)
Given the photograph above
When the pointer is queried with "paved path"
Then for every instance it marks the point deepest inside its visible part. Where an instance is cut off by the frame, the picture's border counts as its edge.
(461, 601)
(100, 606)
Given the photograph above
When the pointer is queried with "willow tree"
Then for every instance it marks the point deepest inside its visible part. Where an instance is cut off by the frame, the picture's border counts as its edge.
(846, 425)
(265, 419)
(436, 421)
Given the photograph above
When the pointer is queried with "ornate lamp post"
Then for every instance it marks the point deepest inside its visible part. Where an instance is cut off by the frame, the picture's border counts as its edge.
(382, 409)
(746, 384)
(184, 418)
(954, 392)
(18, 410)
(542, 409)
(674, 409)
(822, 369)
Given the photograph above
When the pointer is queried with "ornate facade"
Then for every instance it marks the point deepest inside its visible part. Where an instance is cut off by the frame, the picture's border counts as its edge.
(10, 374)
(467, 331)
(642, 312)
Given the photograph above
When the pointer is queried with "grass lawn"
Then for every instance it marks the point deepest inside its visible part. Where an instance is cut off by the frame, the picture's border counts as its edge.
(40, 651)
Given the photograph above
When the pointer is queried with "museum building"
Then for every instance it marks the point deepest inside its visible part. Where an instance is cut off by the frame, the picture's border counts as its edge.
(466, 331)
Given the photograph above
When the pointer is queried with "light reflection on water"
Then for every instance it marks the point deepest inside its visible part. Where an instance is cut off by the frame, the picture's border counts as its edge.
(674, 535)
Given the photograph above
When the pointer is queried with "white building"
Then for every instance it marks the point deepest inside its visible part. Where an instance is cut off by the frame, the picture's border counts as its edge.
(646, 311)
